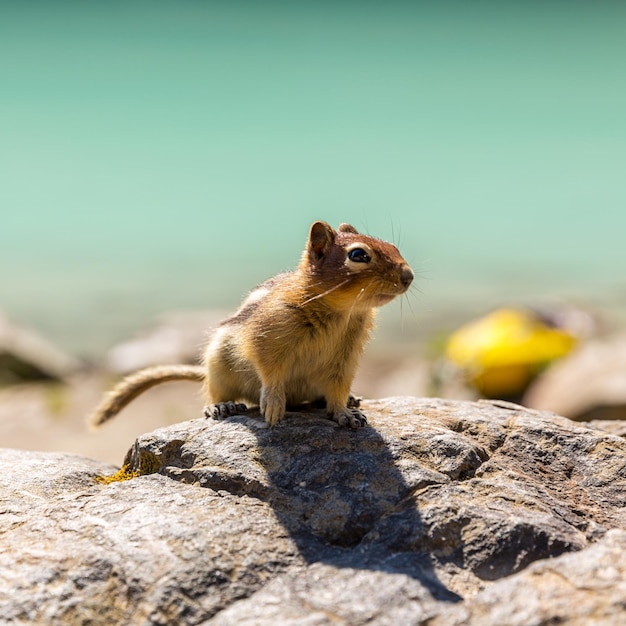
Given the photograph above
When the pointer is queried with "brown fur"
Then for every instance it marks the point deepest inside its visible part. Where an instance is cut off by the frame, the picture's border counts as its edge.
(295, 338)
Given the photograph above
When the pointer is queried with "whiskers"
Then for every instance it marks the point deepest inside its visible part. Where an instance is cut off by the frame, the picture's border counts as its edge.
(362, 293)
(413, 292)
(414, 316)
(325, 293)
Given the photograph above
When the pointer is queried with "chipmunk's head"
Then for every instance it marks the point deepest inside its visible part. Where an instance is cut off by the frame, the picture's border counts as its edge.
(351, 270)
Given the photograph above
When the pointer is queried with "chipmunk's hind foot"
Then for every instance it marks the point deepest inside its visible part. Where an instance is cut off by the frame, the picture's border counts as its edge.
(350, 417)
(224, 409)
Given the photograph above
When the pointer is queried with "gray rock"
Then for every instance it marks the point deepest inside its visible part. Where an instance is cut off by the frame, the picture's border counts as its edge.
(25, 355)
(585, 588)
(615, 427)
(436, 503)
(588, 384)
(146, 550)
(334, 594)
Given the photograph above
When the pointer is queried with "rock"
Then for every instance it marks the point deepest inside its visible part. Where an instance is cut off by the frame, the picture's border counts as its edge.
(588, 384)
(142, 551)
(178, 337)
(25, 355)
(326, 593)
(416, 517)
(588, 587)
(615, 427)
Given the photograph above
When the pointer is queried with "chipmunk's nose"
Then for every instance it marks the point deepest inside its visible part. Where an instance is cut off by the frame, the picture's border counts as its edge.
(406, 276)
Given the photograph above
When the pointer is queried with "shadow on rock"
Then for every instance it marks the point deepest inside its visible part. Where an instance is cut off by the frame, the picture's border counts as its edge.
(333, 489)
(439, 497)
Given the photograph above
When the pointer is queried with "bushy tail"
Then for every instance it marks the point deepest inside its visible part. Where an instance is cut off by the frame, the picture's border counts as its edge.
(135, 384)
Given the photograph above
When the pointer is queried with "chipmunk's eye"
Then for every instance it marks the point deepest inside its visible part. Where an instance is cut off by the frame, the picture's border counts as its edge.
(358, 255)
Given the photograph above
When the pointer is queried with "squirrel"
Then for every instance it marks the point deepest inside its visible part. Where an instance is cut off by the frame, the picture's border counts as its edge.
(295, 338)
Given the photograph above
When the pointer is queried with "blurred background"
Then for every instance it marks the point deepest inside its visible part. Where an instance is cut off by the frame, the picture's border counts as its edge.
(159, 159)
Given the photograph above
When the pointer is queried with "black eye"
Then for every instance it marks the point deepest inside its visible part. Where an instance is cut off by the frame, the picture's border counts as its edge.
(358, 255)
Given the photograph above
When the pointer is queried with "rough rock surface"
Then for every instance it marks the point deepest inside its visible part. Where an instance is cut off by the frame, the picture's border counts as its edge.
(423, 516)
(587, 588)
(615, 427)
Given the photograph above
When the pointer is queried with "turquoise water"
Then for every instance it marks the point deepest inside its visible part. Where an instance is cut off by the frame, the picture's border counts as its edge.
(171, 155)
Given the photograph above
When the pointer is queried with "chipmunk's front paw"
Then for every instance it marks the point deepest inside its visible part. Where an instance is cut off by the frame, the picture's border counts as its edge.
(273, 405)
(349, 417)
(224, 409)
(274, 414)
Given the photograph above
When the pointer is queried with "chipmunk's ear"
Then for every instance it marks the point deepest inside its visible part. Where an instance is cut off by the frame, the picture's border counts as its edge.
(321, 239)
(347, 228)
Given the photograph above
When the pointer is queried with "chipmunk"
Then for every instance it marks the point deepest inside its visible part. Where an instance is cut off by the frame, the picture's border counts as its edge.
(296, 338)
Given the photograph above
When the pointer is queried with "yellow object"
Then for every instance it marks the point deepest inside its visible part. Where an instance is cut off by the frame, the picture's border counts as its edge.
(502, 352)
